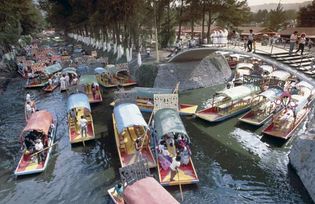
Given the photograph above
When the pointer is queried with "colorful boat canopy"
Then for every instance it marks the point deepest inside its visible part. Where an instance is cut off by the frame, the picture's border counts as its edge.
(114, 70)
(127, 115)
(147, 190)
(272, 94)
(168, 121)
(88, 79)
(39, 121)
(239, 92)
(78, 100)
(266, 68)
(244, 66)
(144, 92)
(52, 69)
(100, 70)
(70, 70)
(281, 75)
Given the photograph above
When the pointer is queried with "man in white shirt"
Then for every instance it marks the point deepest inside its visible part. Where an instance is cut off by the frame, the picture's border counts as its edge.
(39, 148)
(83, 126)
(250, 40)
(62, 83)
(28, 110)
(293, 39)
(174, 167)
(67, 79)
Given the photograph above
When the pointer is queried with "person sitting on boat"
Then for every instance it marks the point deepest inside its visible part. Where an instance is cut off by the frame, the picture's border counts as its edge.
(74, 81)
(28, 144)
(185, 155)
(94, 90)
(174, 166)
(39, 148)
(67, 80)
(138, 147)
(83, 126)
(50, 83)
(63, 83)
(170, 140)
(119, 190)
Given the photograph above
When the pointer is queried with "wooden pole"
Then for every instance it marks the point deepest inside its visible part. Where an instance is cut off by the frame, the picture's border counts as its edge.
(180, 186)
(44, 149)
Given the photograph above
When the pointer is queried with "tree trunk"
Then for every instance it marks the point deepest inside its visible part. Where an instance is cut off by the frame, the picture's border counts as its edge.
(209, 27)
(180, 20)
(203, 22)
(192, 19)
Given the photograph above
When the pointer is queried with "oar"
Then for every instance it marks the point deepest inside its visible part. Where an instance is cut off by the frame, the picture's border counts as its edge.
(44, 149)
(180, 186)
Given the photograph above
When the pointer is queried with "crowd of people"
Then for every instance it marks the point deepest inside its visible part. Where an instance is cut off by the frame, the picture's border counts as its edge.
(174, 151)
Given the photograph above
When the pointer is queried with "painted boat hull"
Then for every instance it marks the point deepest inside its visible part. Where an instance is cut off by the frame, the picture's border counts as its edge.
(127, 159)
(50, 89)
(275, 132)
(27, 168)
(29, 86)
(252, 120)
(212, 118)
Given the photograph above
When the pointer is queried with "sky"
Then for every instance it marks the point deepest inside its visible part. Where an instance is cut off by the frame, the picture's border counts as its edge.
(258, 2)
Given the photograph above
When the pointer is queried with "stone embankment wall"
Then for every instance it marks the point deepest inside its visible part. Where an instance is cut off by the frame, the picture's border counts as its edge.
(302, 158)
(210, 71)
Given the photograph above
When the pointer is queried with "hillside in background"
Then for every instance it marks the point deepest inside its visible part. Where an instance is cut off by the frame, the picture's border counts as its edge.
(295, 6)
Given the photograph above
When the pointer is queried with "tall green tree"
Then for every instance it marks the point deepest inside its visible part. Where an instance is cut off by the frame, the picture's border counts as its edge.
(306, 15)
(276, 18)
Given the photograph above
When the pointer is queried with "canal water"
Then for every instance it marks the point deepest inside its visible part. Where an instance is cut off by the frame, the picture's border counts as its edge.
(234, 163)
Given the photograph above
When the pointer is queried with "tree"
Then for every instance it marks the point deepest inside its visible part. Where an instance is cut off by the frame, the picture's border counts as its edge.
(306, 16)
(276, 18)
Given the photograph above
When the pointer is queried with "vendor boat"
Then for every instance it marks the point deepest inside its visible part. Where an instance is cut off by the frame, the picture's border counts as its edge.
(264, 108)
(295, 109)
(131, 132)
(91, 88)
(229, 103)
(144, 100)
(169, 126)
(78, 105)
(40, 78)
(105, 78)
(41, 127)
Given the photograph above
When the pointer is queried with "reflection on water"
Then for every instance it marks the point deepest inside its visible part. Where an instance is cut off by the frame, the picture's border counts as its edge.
(234, 164)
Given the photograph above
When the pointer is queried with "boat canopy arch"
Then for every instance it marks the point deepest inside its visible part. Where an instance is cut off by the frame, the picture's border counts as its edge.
(267, 68)
(245, 66)
(166, 121)
(101, 70)
(52, 69)
(145, 92)
(127, 115)
(281, 75)
(239, 92)
(40, 121)
(88, 79)
(78, 100)
(70, 70)
(272, 94)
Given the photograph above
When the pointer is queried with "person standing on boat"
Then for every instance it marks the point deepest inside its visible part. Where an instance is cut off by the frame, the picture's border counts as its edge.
(293, 39)
(138, 149)
(119, 190)
(50, 83)
(39, 148)
(174, 167)
(28, 110)
(62, 83)
(83, 126)
(74, 81)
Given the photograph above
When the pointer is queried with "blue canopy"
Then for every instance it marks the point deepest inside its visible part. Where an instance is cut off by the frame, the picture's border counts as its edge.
(78, 100)
(166, 121)
(127, 115)
(100, 70)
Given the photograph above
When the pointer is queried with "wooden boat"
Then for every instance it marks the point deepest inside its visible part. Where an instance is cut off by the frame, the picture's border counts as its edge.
(121, 73)
(88, 81)
(167, 124)
(229, 103)
(143, 191)
(264, 108)
(105, 78)
(40, 78)
(77, 106)
(144, 100)
(41, 125)
(295, 110)
(129, 126)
